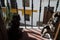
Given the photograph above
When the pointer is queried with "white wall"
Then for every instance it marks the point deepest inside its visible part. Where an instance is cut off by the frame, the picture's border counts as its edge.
(36, 7)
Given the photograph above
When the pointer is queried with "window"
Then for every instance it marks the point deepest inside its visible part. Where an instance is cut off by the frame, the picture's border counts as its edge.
(27, 3)
(13, 4)
(26, 17)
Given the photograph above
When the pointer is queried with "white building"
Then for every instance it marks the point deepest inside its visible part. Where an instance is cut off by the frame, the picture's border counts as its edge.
(36, 6)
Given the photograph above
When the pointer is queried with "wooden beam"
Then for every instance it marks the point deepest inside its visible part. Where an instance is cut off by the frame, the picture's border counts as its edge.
(57, 31)
(13, 10)
(4, 9)
(28, 11)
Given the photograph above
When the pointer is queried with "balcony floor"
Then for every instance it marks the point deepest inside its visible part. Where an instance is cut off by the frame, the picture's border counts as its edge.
(32, 34)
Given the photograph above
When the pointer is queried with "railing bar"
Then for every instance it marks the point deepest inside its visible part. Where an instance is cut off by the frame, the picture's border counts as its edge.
(1, 15)
(16, 7)
(40, 10)
(24, 13)
(57, 5)
(32, 15)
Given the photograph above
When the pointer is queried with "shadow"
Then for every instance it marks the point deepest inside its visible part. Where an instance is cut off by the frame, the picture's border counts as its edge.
(26, 37)
(14, 34)
(30, 31)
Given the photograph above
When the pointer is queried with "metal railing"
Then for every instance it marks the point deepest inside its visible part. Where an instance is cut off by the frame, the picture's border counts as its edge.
(32, 4)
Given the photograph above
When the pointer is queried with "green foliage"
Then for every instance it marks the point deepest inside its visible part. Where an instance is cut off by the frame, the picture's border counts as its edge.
(8, 15)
